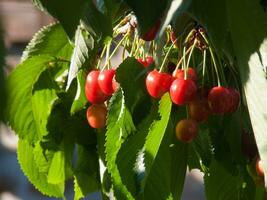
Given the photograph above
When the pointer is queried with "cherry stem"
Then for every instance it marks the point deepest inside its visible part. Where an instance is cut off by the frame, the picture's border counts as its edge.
(181, 60)
(165, 58)
(212, 57)
(101, 56)
(221, 69)
(107, 56)
(215, 66)
(133, 44)
(190, 54)
(184, 59)
(204, 67)
(114, 51)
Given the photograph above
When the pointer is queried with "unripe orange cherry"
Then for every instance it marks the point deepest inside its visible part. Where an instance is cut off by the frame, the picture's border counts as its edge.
(96, 115)
(186, 130)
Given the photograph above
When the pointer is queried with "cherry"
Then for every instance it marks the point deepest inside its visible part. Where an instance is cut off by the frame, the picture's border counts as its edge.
(259, 167)
(158, 83)
(96, 115)
(199, 109)
(105, 81)
(152, 32)
(186, 130)
(234, 100)
(182, 91)
(147, 62)
(219, 100)
(191, 74)
(92, 90)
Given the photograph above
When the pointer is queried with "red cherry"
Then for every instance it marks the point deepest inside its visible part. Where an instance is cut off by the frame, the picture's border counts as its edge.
(199, 109)
(152, 32)
(235, 99)
(191, 74)
(186, 130)
(219, 100)
(259, 167)
(158, 83)
(92, 90)
(105, 80)
(182, 91)
(147, 62)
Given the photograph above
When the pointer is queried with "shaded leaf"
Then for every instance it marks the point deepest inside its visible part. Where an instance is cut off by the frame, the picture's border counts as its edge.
(96, 23)
(250, 48)
(86, 172)
(146, 16)
(69, 17)
(228, 187)
(80, 99)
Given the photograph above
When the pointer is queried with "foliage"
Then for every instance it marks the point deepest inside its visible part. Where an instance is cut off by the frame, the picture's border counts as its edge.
(46, 103)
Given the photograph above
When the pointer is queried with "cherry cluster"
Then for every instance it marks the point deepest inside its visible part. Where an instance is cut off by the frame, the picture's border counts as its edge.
(99, 87)
(182, 86)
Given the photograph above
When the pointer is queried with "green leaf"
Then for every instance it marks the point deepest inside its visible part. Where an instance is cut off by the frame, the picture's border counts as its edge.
(119, 126)
(146, 16)
(167, 175)
(69, 17)
(28, 106)
(84, 45)
(109, 7)
(138, 103)
(178, 168)
(86, 172)
(30, 169)
(200, 152)
(174, 8)
(132, 84)
(56, 173)
(80, 100)
(96, 23)
(156, 134)
(221, 185)
(42, 157)
(158, 183)
(217, 26)
(250, 49)
(130, 157)
(50, 40)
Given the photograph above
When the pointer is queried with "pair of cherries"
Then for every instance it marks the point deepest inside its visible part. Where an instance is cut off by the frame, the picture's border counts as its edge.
(100, 85)
(182, 90)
